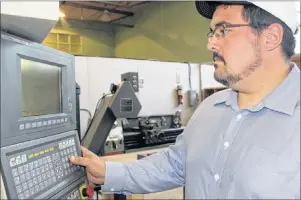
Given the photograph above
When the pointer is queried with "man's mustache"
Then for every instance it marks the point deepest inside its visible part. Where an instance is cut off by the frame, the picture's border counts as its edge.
(216, 56)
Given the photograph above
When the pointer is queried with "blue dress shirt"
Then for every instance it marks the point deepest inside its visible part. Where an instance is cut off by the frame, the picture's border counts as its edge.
(226, 152)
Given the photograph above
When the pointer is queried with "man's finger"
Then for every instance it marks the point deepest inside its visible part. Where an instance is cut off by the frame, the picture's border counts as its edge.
(86, 152)
(77, 160)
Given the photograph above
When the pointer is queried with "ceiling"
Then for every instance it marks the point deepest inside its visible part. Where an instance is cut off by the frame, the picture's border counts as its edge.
(100, 11)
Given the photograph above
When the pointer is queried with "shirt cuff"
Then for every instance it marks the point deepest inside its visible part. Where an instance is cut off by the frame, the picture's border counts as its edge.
(114, 177)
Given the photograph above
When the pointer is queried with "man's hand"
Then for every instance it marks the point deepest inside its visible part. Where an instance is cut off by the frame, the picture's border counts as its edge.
(95, 167)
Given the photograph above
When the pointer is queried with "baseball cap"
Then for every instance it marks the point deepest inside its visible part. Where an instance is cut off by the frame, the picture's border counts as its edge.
(283, 10)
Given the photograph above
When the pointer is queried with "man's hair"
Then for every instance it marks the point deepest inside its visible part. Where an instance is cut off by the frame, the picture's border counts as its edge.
(260, 19)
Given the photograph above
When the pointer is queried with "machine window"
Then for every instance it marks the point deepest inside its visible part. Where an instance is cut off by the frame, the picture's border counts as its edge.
(41, 88)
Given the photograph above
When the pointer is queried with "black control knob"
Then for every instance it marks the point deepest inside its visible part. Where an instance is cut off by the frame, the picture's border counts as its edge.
(113, 88)
(114, 146)
(161, 136)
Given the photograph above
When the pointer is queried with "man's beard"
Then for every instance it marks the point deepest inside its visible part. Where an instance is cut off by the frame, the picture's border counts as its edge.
(226, 78)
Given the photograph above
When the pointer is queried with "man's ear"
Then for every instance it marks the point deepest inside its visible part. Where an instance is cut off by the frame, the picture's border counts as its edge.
(273, 36)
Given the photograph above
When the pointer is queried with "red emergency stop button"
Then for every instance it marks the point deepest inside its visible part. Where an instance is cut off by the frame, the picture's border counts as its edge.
(88, 191)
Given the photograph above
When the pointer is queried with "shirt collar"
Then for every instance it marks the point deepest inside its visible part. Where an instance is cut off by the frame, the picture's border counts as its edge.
(283, 98)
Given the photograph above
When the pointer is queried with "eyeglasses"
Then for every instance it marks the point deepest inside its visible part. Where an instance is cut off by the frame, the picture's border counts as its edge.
(222, 30)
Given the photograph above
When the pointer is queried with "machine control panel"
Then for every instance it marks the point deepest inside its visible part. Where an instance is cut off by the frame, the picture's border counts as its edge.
(40, 168)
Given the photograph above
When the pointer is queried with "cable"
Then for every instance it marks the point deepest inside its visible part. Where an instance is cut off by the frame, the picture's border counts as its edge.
(97, 189)
(88, 111)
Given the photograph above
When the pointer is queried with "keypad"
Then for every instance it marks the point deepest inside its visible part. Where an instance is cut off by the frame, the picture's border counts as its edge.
(35, 176)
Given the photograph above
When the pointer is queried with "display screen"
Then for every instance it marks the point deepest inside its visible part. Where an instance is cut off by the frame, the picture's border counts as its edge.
(41, 88)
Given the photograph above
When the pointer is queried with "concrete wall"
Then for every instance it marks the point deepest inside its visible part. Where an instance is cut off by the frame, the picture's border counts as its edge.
(166, 31)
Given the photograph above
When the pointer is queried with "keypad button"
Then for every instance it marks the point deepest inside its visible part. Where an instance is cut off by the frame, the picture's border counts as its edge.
(46, 167)
(20, 170)
(45, 160)
(26, 168)
(15, 172)
(52, 172)
(17, 180)
(30, 184)
(32, 191)
(53, 179)
(40, 161)
(36, 164)
(48, 174)
(31, 166)
(35, 181)
(48, 159)
(49, 181)
(33, 173)
(26, 194)
(19, 189)
(50, 166)
(37, 188)
(24, 186)
(41, 186)
(21, 196)
(45, 183)
(38, 171)
(22, 178)
(42, 169)
(28, 176)
(44, 176)
(40, 178)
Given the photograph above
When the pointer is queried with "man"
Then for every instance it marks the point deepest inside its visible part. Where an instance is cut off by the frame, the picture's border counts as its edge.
(242, 142)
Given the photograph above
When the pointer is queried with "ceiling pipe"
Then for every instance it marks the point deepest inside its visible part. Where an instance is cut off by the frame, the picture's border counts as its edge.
(97, 22)
(98, 8)
(116, 4)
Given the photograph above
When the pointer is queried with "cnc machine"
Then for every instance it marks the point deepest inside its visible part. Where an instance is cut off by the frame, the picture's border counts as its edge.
(38, 115)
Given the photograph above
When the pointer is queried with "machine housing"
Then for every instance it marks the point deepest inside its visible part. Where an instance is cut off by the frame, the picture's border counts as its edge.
(23, 66)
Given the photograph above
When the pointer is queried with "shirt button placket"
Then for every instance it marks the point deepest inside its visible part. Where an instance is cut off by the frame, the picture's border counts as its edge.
(229, 137)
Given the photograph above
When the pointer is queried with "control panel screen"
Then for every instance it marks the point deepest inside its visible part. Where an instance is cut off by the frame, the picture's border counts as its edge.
(41, 88)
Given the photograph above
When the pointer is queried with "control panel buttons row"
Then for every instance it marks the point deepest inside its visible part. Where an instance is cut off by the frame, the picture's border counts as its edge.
(43, 123)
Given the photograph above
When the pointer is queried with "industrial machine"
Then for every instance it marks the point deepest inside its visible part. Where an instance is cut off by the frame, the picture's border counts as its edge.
(151, 131)
(38, 115)
(122, 102)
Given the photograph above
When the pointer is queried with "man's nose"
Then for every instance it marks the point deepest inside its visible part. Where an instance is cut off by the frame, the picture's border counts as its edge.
(212, 44)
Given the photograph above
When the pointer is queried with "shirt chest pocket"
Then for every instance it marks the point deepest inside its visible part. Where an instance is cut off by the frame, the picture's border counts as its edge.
(264, 174)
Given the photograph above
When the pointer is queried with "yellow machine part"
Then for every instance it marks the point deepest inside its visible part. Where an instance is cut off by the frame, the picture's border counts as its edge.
(81, 191)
